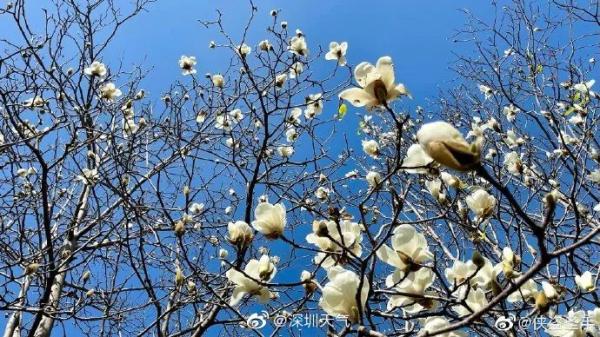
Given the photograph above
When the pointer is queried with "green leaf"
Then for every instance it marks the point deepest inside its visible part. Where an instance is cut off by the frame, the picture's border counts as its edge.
(569, 111)
(342, 110)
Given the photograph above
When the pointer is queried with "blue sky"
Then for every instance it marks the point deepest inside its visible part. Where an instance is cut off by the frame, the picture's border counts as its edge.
(417, 34)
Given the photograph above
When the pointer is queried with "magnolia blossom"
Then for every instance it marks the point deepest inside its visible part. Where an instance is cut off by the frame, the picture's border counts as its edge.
(322, 193)
(218, 80)
(265, 45)
(512, 140)
(370, 147)
(296, 69)
(585, 87)
(109, 92)
(298, 45)
(409, 249)
(196, 208)
(314, 105)
(373, 178)
(294, 117)
(328, 236)
(243, 49)
(445, 144)
(34, 102)
(486, 91)
(89, 176)
(415, 284)
(376, 85)
(513, 164)
(436, 323)
(228, 120)
(481, 276)
(549, 290)
(280, 80)
(95, 69)
(594, 176)
(239, 233)
(262, 270)
(585, 281)
(291, 135)
(569, 326)
(285, 151)
(481, 203)
(474, 300)
(187, 63)
(337, 51)
(416, 159)
(435, 189)
(339, 294)
(510, 112)
(526, 291)
(269, 219)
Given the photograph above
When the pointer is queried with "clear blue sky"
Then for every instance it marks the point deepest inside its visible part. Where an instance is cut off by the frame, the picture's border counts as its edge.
(417, 34)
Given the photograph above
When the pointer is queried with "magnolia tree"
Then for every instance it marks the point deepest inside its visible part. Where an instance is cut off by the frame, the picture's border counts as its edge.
(231, 204)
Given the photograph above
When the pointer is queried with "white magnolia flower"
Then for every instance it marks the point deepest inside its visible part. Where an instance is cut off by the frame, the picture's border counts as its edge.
(294, 117)
(585, 281)
(511, 112)
(34, 102)
(508, 262)
(481, 203)
(370, 147)
(109, 92)
(373, 178)
(239, 233)
(298, 45)
(187, 63)
(549, 290)
(594, 176)
(331, 238)
(474, 300)
(451, 180)
(339, 294)
(416, 158)
(486, 91)
(285, 151)
(512, 140)
(337, 51)
(95, 69)
(461, 271)
(513, 163)
(569, 326)
(376, 85)
(526, 291)
(218, 80)
(89, 176)
(269, 219)
(322, 193)
(280, 80)
(265, 45)
(228, 120)
(435, 189)
(436, 323)
(296, 69)
(196, 208)
(412, 288)
(129, 126)
(409, 249)
(243, 50)
(262, 270)
(314, 105)
(585, 87)
(442, 142)
(291, 135)
(223, 253)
